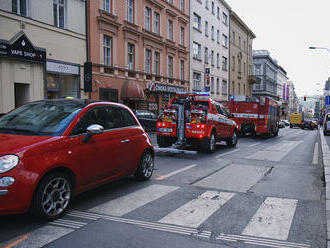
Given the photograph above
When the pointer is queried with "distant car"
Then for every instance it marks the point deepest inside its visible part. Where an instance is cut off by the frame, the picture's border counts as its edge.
(51, 150)
(326, 124)
(308, 124)
(281, 124)
(147, 119)
(286, 122)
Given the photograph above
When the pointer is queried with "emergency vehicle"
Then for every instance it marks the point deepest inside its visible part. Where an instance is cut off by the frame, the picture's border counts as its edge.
(255, 115)
(195, 120)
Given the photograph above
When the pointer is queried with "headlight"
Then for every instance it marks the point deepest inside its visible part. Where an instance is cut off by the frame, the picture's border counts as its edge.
(8, 162)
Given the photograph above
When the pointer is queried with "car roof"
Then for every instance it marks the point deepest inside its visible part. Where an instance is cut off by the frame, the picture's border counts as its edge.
(79, 102)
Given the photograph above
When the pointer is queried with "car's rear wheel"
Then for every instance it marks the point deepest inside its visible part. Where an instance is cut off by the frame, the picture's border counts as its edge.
(232, 141)
(164, 141)
(53, 196)
(146, 167)
(208, 144)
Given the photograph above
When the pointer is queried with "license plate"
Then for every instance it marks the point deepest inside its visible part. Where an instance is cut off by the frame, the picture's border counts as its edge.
(165, 130)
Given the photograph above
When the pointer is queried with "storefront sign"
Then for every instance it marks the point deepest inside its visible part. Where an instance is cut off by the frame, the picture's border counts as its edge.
(22, 48)
(62, 68)
(166, 88)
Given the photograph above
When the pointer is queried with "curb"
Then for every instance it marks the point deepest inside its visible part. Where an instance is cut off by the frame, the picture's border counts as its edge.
(326, 166)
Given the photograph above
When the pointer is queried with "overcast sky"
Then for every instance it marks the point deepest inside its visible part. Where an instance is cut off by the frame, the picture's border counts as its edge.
(286, 28)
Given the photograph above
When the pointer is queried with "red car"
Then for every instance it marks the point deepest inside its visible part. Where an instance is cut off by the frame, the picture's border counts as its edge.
(52, 150)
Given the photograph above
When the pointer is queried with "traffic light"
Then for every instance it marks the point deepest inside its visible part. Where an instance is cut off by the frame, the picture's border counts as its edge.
(304, 98)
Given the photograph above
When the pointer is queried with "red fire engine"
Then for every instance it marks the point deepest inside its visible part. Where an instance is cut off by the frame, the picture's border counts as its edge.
(195, 120)
(255, 115)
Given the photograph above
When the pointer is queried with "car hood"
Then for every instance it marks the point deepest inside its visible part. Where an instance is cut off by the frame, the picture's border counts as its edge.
(13, 144)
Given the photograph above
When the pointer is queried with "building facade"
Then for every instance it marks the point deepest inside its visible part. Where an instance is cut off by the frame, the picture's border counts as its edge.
(139, 50)
(41, 52)
(209, 46)
(240, 57)
(283, 92)
(265, 70)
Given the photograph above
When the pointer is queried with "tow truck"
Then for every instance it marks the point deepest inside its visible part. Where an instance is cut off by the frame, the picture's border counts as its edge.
(194, 121)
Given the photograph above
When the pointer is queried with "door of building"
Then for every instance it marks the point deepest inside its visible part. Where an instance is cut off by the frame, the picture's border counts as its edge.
(22, 94)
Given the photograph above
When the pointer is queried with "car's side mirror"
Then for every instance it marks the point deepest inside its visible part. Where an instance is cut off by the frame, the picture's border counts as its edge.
(93, 130)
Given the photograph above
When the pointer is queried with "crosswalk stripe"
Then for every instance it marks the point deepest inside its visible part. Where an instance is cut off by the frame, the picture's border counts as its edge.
(273, 219)
(195, 212)
(132, 201)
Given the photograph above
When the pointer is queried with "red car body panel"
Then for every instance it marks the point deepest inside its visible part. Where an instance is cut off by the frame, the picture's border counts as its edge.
(104, 158)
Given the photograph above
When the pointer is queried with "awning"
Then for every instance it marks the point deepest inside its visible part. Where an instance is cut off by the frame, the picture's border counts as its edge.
(132, 91)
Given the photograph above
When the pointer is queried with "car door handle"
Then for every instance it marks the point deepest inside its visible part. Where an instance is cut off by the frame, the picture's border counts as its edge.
(125, 141)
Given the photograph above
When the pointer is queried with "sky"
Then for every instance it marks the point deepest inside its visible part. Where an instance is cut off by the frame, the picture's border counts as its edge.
(287, 28)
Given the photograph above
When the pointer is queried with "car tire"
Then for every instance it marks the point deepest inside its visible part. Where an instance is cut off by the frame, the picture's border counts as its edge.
(208, 145)
(232, 141)
(164, 141)
(276, 133)
(290, 126)
(146, 167)
(52, 196)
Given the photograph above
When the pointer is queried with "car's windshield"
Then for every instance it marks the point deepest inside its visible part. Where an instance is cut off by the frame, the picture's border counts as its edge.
(40, 118)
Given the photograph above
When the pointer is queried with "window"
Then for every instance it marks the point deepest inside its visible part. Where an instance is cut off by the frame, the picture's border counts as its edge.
(212, 32)
(225, 18)
(239, 66)
(239, 88)
(59, 12)
(239, 41)
(244, 68)
(218, 60)
(224, 40)
(257, 70)
(233, 63)
(147, 18)
(127, 120)
(170, 66)
(207, 4)
(196, 51)
(170, 1)
(156, 22)
(218, 36)
(130, 56)
(244, 90)
(107, 48)
(212, 84)
(206, 55)
(157, 63)
(182, 5)
(130, 11)
(182, 35)
(182, 69)
(170, 30)
(234, 38)
(218, 86)
(148, 61)
(244, 44)
(107, 5)
(19, 7)
(197, 81)
(218, 13)
(224, 87)
(224, 63)
(212, 58)
(212, 8)
(197, 22)
(206, 28)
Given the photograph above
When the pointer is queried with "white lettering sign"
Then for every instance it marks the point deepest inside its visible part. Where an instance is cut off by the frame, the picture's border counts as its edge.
(62, 68)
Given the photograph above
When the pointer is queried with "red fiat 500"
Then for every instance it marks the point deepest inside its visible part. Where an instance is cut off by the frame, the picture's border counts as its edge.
(53, 149)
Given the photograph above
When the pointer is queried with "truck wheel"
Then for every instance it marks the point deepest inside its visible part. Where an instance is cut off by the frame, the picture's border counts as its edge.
(232, 141)
(208, 144)
(290, 126)
(164, 141)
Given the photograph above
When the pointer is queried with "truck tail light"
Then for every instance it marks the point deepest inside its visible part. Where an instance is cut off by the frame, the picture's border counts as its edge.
(266, 119)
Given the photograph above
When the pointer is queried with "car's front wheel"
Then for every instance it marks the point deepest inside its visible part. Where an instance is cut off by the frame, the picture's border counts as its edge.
(146, 167)
(53, 196)
(232, 141)
(209, 144)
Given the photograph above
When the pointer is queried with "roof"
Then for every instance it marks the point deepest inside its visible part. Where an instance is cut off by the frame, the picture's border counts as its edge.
(240, 21)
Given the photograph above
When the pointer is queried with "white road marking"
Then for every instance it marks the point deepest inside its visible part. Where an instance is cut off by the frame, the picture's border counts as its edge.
(132, 201)
(195, 212)
(255, 144)
(227, 153)
(273, 219)
(176, 172)
(316, 154)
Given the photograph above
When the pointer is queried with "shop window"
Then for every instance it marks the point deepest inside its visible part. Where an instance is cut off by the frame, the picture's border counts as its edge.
(20, 7)
(110, 95)
(62, 86)
(59, 13)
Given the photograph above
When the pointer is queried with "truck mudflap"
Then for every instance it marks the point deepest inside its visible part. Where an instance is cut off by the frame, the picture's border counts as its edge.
(174, 150)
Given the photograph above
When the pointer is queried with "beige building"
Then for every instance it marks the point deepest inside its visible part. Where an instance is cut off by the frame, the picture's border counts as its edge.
(42, 50)
(240, 57)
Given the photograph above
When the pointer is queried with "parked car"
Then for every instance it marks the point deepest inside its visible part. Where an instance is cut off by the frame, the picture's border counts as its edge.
(281, 124)
(326, 124)
(308, 124)
(51, 150)
(147, 119)
(286, 122)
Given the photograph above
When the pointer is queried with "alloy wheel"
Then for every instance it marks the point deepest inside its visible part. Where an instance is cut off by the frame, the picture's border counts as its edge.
(147, 165)
(212, 142)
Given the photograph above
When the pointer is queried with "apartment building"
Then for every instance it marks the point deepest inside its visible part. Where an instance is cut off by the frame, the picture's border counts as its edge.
(282, 92)
(209, 46)
(42, 49)
(240, 58)
(139, 50)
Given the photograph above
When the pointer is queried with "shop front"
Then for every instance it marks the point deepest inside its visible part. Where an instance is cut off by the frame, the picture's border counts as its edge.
(62, 80)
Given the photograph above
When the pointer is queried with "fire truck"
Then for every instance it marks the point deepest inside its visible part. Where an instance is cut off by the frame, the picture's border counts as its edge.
(195, 120)
(255, 115)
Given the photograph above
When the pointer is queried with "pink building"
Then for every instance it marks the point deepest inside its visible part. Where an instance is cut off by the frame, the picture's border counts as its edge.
(139, 50)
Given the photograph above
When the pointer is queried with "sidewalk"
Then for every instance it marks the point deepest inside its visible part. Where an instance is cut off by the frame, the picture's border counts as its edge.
(326, 164)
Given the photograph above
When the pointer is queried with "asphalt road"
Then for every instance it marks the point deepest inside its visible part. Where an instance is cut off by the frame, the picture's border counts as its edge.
(264, 193)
